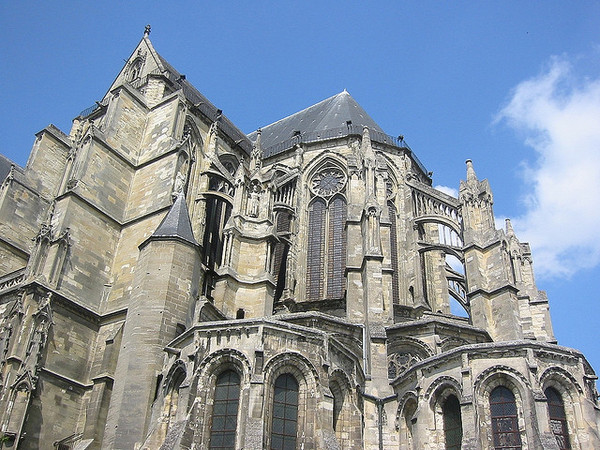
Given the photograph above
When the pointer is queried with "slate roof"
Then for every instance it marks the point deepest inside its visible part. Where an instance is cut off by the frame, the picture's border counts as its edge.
(204, 105)
(176, 223)
(329, 115)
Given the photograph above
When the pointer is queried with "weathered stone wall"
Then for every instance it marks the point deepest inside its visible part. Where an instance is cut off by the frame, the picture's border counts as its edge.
(71, 345)
(23, 210)
(93, 238)
(159, 130)
(47, 161)
(54, 413)
(105, 180)
(125, 122)
(125, 261)
(151, 187)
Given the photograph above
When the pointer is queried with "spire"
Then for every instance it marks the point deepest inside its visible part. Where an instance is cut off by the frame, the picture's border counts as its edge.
(471, 176)
(509, 228)
(176, 223)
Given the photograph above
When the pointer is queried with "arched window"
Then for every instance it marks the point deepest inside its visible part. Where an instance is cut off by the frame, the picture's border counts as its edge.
(135, 69)
(394, 253)
(336, 248)
(452, 423)
(316, 254)
(558, 418)
(326, 251)
(225, 411)
(285, 412)
(505, 420)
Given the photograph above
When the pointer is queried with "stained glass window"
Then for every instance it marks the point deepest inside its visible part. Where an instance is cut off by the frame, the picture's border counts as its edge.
(285, 413)
(558, 418)
(326, 251)
(394, 253)
(225, 411)
(452, 423)
(505, 421)
(336, 248)
(316, 249)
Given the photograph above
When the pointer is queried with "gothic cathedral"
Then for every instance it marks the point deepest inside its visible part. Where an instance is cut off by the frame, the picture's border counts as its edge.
(168, 282)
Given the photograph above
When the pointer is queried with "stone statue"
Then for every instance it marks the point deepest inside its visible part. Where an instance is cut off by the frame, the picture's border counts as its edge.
(254, 201)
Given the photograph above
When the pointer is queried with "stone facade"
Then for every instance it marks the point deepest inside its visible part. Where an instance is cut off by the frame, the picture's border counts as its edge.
(169, 282)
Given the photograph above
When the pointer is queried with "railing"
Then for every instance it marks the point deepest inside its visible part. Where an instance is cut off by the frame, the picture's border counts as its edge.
(87, 111)
(335, 133)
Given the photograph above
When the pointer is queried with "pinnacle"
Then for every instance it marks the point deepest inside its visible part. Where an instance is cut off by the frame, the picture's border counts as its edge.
(471, 175)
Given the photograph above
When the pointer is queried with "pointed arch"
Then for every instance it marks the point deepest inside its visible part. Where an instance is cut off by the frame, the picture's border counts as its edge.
(326, 246)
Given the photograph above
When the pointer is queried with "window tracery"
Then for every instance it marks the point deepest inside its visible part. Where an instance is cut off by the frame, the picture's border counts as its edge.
(399, 362)
(328, 182)
(135, 69)
(326, 251)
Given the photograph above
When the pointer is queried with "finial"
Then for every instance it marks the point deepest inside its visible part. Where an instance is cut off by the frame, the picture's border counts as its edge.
(147, 30)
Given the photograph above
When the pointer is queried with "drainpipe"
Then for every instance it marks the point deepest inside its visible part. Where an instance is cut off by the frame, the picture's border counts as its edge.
(379, 401)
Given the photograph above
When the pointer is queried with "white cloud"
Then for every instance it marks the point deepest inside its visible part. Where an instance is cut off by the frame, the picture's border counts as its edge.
(559, 115)
(447, 190)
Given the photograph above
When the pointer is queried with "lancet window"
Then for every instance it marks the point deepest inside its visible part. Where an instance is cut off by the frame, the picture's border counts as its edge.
(326, 252)
(392, 212)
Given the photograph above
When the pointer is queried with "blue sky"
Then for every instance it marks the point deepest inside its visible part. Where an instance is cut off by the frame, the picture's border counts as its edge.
(513, 85)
